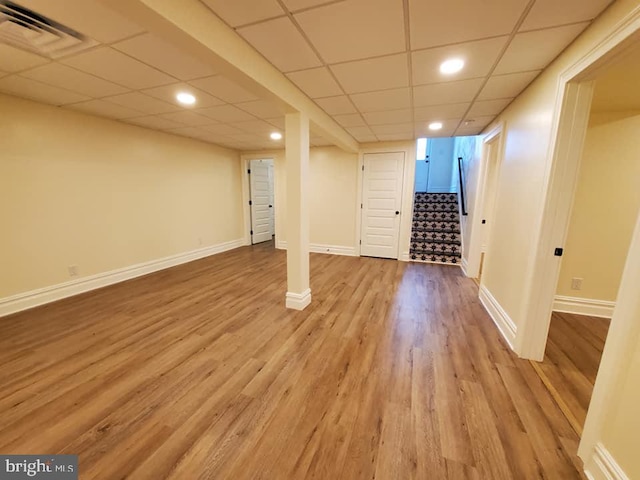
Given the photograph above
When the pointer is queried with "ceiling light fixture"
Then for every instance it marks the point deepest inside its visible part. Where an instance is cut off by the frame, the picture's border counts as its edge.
(453, 65)
(186, 98)
(276, 136)
(435, 126)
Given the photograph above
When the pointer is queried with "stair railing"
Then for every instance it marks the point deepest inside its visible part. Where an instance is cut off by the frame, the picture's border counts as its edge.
(463, 204)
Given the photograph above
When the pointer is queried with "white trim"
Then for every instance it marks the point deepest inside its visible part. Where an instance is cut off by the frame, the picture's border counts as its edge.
(298, 301)
(602, 466)
(245, 163)
(405, 257)
(583, 306)
(323, 248)
(53, 293)
(493, 139)
(463, 266)
(502, 320)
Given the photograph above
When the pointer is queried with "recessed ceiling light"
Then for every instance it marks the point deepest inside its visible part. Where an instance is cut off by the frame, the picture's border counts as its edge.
(453, 65)
(435, 126)
(276, 136)
(186, 98)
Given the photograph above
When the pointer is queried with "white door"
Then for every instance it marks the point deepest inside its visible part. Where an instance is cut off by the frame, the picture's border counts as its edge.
(381, 200)
(261, 180)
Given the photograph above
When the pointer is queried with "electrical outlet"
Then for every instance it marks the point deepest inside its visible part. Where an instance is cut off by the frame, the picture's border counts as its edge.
(576, 283)
(73, 270)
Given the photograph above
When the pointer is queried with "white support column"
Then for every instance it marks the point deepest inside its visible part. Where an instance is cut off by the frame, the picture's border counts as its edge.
(297, 165)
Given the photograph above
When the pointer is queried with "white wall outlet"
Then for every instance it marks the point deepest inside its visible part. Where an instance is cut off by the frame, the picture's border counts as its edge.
(73, 270)
(576, 283)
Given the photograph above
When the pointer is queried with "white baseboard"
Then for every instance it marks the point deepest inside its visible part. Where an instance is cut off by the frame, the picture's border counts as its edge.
(298, 301)
(405, 257)
(602, 466)
(41, 296)
(463, 265)
(499, 316)
(583, 306)
(321, 248)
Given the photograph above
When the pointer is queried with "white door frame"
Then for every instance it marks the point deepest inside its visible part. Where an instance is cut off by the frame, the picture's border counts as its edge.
(571, 114)
(493, 139)
(406, 211)
(245, 160)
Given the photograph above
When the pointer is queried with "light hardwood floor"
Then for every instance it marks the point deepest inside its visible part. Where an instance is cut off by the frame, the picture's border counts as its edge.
(571, 362)
(199, 372)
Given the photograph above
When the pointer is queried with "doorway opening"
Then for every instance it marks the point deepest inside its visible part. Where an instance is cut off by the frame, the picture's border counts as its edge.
(261, 200)
(605, 208)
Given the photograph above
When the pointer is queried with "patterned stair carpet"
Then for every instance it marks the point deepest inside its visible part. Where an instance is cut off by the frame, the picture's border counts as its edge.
(435, 235)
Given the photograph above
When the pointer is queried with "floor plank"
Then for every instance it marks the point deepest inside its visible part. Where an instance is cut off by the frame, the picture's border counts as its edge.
(394, 371)
(570, 365)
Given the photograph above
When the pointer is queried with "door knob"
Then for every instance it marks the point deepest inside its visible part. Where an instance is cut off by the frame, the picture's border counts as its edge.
(270, 206)
(397, 212)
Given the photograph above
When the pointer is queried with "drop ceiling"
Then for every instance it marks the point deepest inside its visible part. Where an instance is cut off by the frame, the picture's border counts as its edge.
(370, 64)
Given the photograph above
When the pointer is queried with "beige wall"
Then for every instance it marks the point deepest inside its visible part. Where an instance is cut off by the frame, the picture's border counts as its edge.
(332, 195)
(102, 195)
(528, 128)
(469, 149)
(605, 207)
(620, 435)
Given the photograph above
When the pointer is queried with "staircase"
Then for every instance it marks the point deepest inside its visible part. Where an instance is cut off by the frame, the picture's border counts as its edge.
(435, 235)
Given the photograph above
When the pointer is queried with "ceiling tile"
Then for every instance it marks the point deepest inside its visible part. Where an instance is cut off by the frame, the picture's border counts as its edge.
(359, 131)
(488, 107)
(440, 112)
(116, 67)
(261, 108)
(476, 122)
(316, 82)
(277, 122)
(104, 109)
(167, 93)
(191, 119)
(223, 88)
(404, 128)
(374, 74)
(349, 120)
(294, 5)
(366, 138)
(434, 23)
(394, 137)
(507, 86)
(479, 58)
(242, 12)
(535, 50)
(15, 60)
(254, 126)
(221, 129)
(448, 129)
(191, 132)
(143, 103)
(154, 122)
(226, 114)
(63, 76)
(165, 57)
(90, 17)
(382, 100)
(282, 44)
(355, 29)
(336, 105)
(24, 87)
(443, 93)
(388, 117)
(550, 13)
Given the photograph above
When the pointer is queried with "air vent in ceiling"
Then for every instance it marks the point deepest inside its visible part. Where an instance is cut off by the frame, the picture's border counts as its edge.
(31, 31)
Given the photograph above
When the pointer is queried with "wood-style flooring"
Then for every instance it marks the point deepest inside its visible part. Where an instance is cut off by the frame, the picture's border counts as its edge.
(394, 372)
(571, 361)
